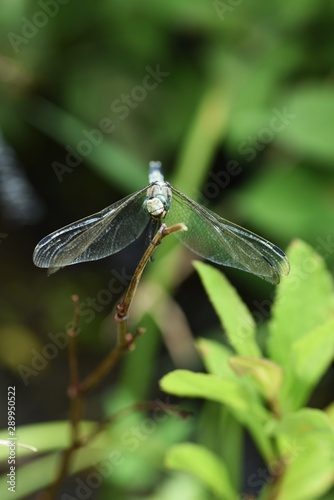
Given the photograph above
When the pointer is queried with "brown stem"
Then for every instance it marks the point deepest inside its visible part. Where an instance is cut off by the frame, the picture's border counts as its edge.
(123, 307)
(96, 376)
(78, 391)
(77, 403)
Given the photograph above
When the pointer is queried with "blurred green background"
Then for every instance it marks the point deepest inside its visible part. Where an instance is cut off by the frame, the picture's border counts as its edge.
(235, 98)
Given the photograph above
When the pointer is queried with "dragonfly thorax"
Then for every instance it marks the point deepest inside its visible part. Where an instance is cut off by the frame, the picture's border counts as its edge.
(158, 200)
(157, 207)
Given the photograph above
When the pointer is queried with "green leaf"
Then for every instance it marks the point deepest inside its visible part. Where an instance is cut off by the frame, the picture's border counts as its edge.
(302, 422)
(31, 476)
(206, 466)
(216, 360)
(308, 476)
(306, 442)
(267, 375)
(304, 301)
(43, 436)
(215, 357)
(180, 485)
(237, 394)
(222, 433)
(232, 312)
(186, 383)
(312, 354)
(41, 471)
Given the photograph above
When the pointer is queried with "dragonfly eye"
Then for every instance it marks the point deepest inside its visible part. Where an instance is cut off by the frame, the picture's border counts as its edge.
(156, 207)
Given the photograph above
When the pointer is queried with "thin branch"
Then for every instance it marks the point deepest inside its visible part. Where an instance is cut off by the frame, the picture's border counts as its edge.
(106, 365)
(126, 339)
(123, 307)
(72, 349)
(78, 390)
(76, 405)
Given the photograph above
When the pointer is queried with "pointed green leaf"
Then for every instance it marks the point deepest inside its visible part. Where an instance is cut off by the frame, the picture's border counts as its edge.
(267, 375)
(236, 394)
(312, 354)
(204, 465)
(216, 360)
(307, 477)
(304, 301)
(306, 441)
(190, 384)
(234, 315)
(215, 357)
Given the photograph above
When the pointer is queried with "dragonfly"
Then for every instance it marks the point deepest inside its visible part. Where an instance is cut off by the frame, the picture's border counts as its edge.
(209, 235)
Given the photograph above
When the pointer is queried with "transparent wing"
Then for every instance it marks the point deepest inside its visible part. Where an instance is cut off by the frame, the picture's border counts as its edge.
(223, 242)
(94, 237)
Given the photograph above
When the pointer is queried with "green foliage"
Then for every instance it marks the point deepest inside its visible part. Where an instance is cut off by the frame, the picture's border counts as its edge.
(233, 314)
(300, 331)
(125, 452)
(316, 101)
(191, 457)
(248, 85)
(266, 394)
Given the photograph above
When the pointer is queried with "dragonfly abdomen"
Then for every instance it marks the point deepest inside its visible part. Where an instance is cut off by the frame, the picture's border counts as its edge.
(155, 172)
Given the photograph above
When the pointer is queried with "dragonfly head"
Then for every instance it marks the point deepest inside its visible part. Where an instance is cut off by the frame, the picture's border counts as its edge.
(157, 207)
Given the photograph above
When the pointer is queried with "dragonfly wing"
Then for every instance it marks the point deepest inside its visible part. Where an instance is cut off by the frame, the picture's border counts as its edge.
(223, 242)
(94, 237)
